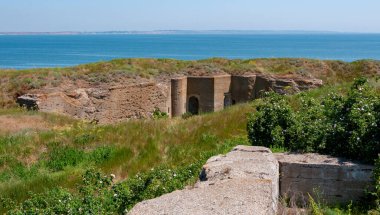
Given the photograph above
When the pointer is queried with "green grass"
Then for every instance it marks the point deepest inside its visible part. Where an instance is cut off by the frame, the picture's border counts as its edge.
(39, 161)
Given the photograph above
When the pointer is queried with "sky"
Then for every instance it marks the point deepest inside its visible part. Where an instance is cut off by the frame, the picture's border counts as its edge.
(146, 15)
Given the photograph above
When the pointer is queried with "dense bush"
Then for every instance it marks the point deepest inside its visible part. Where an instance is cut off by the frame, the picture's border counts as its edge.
(94, 197)
(341, 125)
(98, 194)
(270, 124)
(354, 123)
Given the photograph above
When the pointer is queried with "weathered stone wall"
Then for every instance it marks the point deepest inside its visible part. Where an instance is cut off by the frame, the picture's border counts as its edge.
(108, 105)
(209, 90)
(263, 84)
(138, 101)
(203, 89)
(178, 96)
(243, 88)
(76, 104)
(222, 86)
(333, 179)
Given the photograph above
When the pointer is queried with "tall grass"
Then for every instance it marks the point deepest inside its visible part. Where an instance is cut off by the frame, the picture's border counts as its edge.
(58, 157)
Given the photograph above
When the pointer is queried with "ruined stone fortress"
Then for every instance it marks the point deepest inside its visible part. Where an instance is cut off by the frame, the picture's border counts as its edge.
(197, 94)
(211, 93)
(175, 96)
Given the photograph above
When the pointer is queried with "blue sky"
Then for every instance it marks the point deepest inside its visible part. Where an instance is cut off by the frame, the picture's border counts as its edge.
(107, 15)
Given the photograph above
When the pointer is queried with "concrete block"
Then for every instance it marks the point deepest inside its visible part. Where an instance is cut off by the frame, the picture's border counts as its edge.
(335, 180)
(245, 181)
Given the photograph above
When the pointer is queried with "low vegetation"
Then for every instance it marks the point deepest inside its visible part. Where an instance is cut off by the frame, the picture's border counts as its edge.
(98, 194)
(341, 125)
(42, 161)
(53, 164)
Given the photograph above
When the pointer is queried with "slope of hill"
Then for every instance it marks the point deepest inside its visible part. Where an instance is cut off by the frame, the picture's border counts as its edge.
(132, 71)
(56, 151)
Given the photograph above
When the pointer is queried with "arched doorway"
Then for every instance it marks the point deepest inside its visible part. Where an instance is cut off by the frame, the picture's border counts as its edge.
(193, 106)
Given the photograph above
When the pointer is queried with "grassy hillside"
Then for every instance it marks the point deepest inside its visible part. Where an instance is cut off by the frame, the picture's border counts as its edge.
(40, 152)
(15, 83)
(41, 160)
(37, 161)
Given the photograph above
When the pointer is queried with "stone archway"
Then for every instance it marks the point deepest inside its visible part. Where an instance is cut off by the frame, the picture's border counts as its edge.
(193, 105)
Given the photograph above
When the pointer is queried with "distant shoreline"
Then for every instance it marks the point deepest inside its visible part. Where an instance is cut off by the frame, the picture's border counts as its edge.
(181, 32)
(41, 51)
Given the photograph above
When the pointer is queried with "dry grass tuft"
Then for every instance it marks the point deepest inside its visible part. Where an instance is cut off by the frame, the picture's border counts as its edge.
(15, 124)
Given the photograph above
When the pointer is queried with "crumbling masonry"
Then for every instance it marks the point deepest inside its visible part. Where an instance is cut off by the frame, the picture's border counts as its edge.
(197, 94)
(176, 96)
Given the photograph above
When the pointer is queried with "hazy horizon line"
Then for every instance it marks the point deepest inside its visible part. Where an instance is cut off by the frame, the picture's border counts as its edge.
(184, 32)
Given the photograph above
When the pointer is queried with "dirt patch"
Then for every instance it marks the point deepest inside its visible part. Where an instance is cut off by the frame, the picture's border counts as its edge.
(14, 124)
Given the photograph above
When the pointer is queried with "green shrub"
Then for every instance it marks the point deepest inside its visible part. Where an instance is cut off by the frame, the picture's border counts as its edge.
(102, 154)
(354, 123)
(158, 114)
(307, 130)
(153, 184)
(61, 157)
(94, 197)
(186, 115)
(340, 125)
(99, 195)
(270, 124)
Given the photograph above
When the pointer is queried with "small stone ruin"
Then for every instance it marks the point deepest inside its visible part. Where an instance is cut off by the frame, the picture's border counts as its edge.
(252, 180)
(28, 101)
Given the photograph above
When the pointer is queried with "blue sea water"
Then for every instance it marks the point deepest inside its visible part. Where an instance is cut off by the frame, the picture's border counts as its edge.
(35, 51)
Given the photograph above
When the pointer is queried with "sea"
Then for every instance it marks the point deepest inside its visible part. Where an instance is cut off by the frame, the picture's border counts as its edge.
(40, 51)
